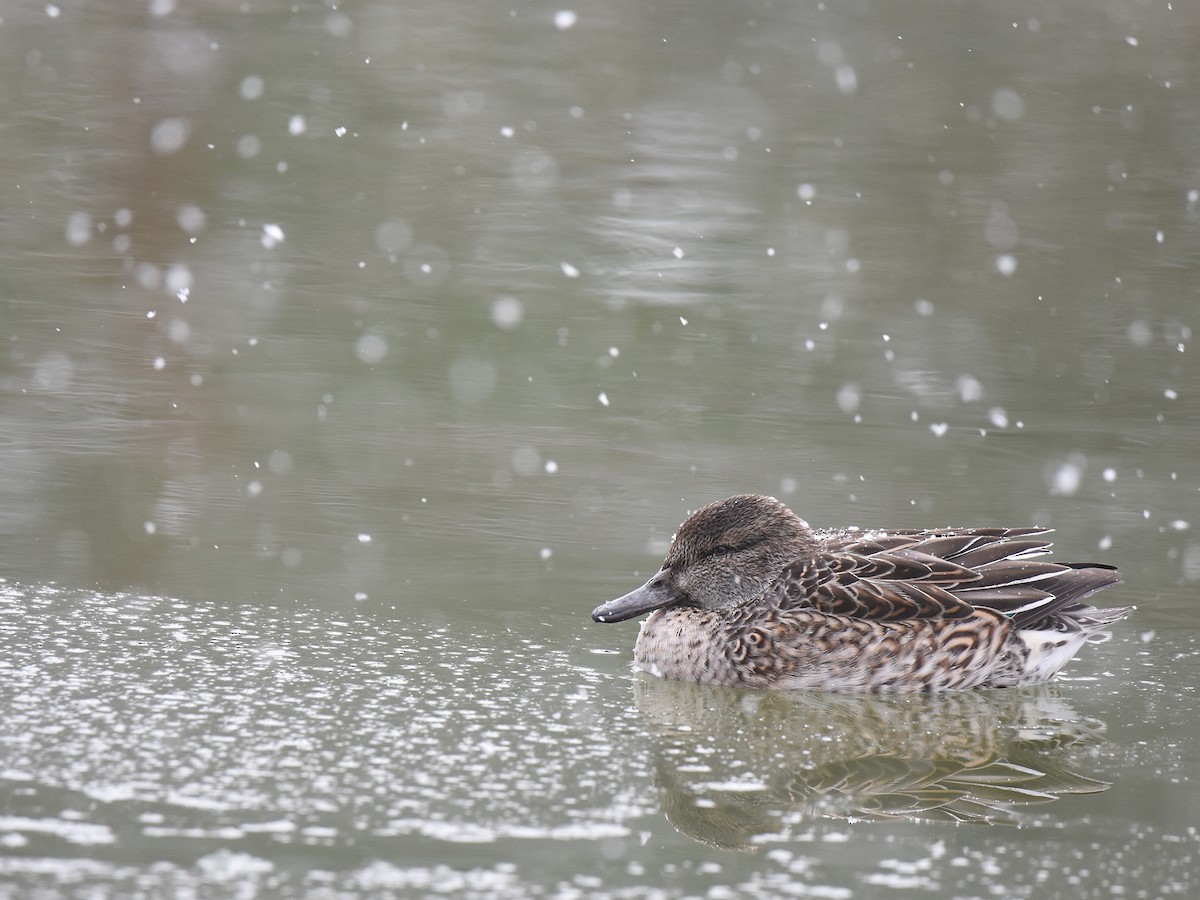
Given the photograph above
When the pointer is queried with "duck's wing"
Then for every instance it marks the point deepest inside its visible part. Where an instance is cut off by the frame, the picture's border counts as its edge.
(907, 574)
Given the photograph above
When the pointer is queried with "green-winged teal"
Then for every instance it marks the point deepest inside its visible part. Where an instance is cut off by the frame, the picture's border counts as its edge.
(750, 595)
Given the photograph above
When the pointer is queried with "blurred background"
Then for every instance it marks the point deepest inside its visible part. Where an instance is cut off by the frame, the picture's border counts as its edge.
(315, 303)
(447, 313)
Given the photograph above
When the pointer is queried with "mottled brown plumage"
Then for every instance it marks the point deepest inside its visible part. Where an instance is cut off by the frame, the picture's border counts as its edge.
(750, 595)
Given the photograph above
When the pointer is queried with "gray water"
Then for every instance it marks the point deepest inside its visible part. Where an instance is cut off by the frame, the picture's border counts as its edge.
(352, 355)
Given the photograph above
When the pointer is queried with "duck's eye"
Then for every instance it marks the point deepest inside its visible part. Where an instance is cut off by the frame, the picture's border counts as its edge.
(722, 549)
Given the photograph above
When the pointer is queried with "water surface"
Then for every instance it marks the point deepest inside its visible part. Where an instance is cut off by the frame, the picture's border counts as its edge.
(353, 355)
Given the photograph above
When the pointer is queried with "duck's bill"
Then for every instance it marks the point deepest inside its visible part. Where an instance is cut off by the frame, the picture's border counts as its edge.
(654, 594)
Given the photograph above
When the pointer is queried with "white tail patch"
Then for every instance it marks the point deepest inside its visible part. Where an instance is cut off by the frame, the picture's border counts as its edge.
(1049, 651)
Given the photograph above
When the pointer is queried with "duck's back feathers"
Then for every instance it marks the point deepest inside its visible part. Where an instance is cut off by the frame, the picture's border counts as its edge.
(942, 573)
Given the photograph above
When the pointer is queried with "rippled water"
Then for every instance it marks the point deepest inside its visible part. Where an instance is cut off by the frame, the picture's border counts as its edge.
(154, 745)
(145, 725)
(352, 355)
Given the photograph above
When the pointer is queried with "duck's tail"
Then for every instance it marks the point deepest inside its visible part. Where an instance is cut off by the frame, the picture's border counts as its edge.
(1093, 622)
(1050, 643)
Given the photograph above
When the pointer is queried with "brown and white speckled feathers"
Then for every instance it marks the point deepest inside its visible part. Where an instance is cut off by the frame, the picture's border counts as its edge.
(749, 595)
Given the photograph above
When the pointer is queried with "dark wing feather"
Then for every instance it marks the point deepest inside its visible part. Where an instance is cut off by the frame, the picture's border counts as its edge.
(1008, 571)
(920, 574)
(976, 556)
(889, 586)
(886, 601)
(1065, 589)
(958, 540)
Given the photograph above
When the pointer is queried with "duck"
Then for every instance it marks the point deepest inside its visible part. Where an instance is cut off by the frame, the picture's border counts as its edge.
(751, 596)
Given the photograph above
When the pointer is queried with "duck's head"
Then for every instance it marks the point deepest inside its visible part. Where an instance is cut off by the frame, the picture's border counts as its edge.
(724, 554)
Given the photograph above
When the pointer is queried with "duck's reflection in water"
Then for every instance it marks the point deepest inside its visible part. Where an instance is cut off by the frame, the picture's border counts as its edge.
(733, 766)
